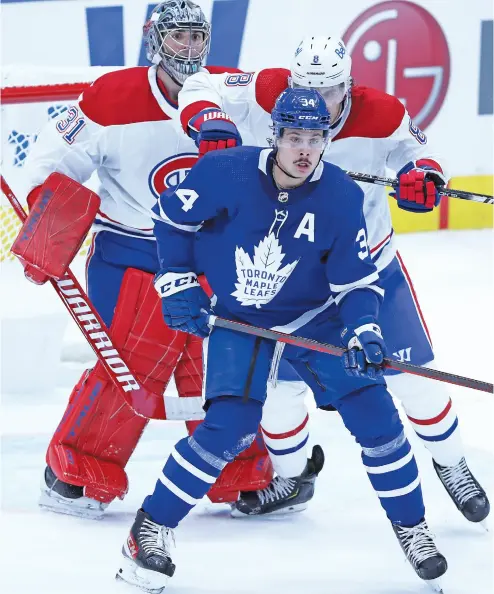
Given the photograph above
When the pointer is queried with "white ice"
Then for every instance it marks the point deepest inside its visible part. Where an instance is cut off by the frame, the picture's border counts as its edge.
(342, 544)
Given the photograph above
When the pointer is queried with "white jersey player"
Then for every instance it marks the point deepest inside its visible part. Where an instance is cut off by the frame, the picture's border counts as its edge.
(125, 128)
(371, 132)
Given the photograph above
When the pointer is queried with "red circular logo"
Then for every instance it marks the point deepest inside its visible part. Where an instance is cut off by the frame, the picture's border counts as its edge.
(400, 48)
(171, 172)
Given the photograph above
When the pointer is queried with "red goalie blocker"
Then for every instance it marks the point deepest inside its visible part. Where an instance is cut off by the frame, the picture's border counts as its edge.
(59, 220)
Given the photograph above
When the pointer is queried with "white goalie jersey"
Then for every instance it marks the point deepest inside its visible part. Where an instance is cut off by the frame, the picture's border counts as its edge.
(374, 133)
(125, 128)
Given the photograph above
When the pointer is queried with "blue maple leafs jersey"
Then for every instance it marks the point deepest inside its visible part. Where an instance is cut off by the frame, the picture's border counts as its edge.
(274, 258)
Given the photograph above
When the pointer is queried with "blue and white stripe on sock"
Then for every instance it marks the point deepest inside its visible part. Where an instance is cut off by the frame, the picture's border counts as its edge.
(187, 476)
(393, 472)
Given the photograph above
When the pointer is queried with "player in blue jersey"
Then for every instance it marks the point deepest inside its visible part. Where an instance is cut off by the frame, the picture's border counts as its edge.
(370, 132)
(281, 237)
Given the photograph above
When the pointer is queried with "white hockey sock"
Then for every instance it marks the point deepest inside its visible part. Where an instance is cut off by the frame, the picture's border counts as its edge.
(285, 428)
(430, 411)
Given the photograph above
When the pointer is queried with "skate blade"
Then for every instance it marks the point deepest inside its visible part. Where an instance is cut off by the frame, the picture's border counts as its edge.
(81, 508)
(286, 511)
(149, 581)
(485, 525)
(435, 585)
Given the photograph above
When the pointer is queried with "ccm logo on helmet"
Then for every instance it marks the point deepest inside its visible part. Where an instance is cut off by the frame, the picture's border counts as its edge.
(170, 173)
(308, 117)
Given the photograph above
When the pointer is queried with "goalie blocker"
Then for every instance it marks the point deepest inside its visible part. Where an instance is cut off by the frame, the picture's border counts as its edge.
(61, 214)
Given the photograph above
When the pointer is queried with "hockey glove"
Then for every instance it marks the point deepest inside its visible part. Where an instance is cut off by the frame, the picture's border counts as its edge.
(418, 186)
(366, 349)
(184, 303)
(212, 130)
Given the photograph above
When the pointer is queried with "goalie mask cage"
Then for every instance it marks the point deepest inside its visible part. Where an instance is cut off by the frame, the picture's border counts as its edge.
(31, 97)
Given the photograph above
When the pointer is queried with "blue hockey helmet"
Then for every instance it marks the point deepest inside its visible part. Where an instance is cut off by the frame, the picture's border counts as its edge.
(300, 108)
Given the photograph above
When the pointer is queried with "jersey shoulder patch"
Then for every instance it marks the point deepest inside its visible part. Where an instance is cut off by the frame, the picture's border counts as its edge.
(270, 83)
(374, 114)
(121, 97)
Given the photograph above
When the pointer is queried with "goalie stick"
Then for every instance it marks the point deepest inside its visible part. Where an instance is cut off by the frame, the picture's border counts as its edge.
(387, 181)
(144, 403)
(323, 347)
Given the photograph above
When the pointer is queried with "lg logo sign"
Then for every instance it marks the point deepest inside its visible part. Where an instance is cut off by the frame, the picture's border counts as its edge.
(400, 48)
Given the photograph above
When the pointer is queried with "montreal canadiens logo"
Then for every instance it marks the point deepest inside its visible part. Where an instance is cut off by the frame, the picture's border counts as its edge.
(400, 48)
(171, 172)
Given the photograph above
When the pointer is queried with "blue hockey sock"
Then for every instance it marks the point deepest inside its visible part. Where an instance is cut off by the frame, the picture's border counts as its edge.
(196, 462)
(393, 473)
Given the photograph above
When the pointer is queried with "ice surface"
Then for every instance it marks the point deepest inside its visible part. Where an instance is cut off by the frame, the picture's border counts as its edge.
(342, 544)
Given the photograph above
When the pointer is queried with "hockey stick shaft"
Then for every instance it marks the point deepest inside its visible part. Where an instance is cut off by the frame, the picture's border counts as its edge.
(142, 401)
(331, 349)
(387, 181)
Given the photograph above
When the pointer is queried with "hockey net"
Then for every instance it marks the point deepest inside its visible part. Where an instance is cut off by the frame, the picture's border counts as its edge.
(32, 96)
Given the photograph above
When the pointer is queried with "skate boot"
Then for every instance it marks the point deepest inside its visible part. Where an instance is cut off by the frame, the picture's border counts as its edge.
(64, 498)
(421, 551)
(146, 561)
(464, 490)
(284, 495)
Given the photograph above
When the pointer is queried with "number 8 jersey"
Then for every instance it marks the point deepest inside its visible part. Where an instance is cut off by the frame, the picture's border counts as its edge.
(374, 133)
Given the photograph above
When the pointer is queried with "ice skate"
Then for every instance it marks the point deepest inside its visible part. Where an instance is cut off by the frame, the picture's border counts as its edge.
(283, 495)
(421, 551)
(64, 498)
(146, 561)
(464, 490)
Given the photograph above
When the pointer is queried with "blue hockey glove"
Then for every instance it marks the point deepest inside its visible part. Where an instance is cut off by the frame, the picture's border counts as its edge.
(418, 186)
(185, 305)
(212, 130)
(366, 349)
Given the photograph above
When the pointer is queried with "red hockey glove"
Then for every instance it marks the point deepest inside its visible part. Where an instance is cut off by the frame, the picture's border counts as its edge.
(212, 130)
(419, 183)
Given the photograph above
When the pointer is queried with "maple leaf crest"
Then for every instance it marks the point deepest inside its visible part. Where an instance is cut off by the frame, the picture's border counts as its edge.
(260, 280)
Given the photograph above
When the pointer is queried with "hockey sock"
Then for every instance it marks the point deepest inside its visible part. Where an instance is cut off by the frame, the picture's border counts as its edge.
(392, 471)
(431, 414)
(373, 420)
(196, 462)
(286, 435)
(288, 450)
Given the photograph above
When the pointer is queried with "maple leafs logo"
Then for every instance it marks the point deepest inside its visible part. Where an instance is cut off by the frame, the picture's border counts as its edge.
(260, 280)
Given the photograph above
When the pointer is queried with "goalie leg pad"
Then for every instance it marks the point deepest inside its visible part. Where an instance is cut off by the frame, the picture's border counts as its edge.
(251, 470)
(188, 374)
(56, 226)
(99, 432)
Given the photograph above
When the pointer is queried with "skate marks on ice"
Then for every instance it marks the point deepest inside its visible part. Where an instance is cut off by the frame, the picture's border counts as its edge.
(342, 544)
